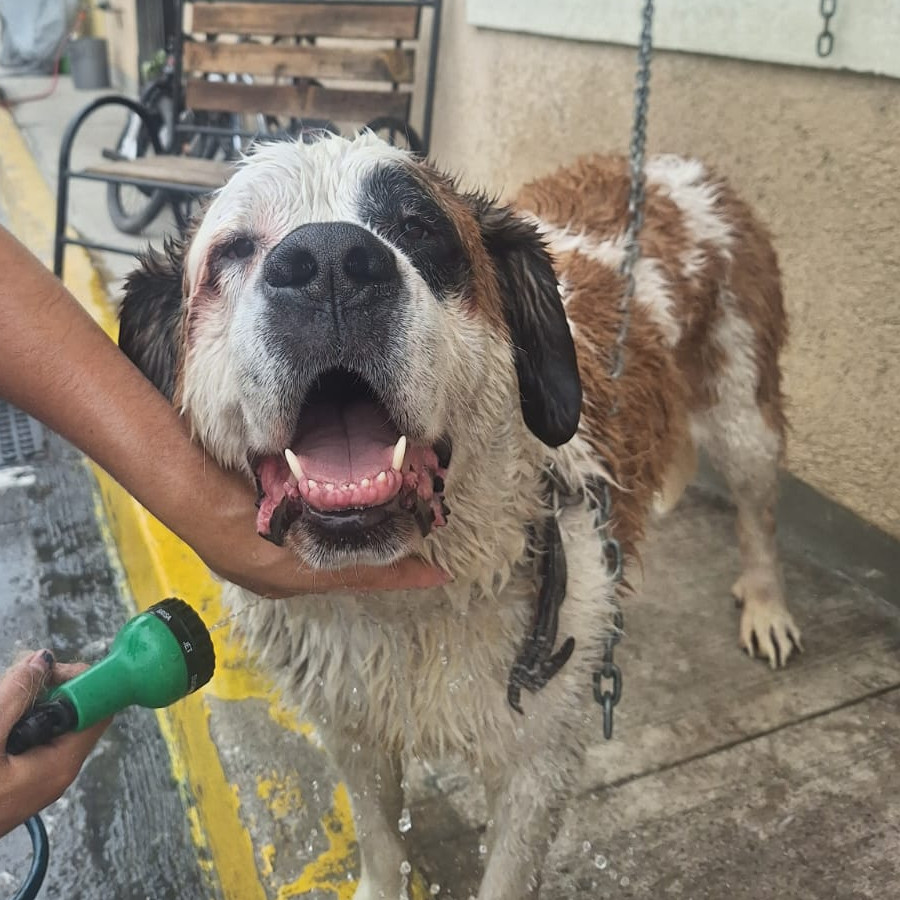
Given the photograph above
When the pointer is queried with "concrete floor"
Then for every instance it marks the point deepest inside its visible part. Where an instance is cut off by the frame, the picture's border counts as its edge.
(723, 779)
(122, 825)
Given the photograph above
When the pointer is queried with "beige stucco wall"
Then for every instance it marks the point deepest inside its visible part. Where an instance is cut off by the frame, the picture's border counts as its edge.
(817, 152)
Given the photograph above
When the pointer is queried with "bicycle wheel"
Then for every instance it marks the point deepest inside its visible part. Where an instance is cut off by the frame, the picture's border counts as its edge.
(396, 132)
(133, 208)
(219, 145)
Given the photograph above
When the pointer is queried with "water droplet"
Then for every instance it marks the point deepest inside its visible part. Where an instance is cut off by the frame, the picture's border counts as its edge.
(586, 847)
(404, 823)
(434, 890)
(624, 881)
(356, 748)
(482, 849)
(600, 861)
(405, 867)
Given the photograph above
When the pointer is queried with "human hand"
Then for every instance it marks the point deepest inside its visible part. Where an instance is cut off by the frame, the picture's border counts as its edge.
(39, 776)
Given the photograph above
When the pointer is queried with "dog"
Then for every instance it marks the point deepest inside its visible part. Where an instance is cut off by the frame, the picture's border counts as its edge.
(438, 366)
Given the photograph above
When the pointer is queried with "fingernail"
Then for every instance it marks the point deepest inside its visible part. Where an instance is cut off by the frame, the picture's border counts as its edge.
(39, 660)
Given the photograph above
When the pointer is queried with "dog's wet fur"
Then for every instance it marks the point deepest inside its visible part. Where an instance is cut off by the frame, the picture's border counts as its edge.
(482, 333)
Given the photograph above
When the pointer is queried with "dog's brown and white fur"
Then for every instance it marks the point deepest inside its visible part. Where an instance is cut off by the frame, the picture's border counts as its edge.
(460, 327)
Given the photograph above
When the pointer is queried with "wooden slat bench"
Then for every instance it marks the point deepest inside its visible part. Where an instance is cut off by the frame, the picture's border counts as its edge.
(285, 66)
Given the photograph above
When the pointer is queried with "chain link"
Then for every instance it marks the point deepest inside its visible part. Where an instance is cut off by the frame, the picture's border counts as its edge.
(608, 698)
(825, 40)
(601, 499)
(636, 193)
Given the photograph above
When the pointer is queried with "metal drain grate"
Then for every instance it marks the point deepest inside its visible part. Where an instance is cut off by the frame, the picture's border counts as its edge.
(21, 438)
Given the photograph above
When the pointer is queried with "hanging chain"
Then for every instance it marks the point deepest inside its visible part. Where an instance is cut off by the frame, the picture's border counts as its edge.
(600, 498)
(636, 194)
(536, 662)
(825, 41)
(609, 672)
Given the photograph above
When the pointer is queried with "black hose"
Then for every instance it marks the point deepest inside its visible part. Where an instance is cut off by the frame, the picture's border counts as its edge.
(40, 856)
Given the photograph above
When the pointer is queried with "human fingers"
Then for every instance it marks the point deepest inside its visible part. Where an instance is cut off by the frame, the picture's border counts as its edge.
(63, 672)
(410, 573)
(20, 686)
(407, 574)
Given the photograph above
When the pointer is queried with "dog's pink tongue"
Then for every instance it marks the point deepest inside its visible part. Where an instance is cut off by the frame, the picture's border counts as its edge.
(345, 444)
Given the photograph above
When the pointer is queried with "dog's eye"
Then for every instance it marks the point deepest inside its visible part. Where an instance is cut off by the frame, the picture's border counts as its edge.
(413, 230)
(239, 248)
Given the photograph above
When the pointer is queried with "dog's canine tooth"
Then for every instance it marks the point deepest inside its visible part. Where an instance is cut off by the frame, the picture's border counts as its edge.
(399, 453)
(294, 464)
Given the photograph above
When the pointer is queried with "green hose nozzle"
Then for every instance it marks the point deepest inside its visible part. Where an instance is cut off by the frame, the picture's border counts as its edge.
(158, 657)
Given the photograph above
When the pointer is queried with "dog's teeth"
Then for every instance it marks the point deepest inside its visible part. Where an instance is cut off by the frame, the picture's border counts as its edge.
(294, 464)
(399, 453)
(365, 482)
(329, 487)
(381, 477)
(312, 484)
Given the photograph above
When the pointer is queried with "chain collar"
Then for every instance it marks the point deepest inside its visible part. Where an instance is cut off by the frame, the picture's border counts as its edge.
(536, 662)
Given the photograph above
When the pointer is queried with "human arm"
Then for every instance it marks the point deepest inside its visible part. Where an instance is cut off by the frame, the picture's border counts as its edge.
(59, 366)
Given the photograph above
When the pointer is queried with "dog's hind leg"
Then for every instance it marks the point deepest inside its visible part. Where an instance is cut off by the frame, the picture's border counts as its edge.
(743, 433)
(679, 474)
(373, 779)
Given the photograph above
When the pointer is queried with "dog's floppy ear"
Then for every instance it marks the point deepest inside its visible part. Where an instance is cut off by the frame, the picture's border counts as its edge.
(549, 385)
(150, 315)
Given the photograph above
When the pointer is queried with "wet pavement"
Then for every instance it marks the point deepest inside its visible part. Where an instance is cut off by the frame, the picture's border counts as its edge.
(723, 780)
(120, 831)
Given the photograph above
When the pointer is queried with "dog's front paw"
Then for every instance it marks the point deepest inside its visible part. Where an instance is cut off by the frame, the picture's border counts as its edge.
(767, 628)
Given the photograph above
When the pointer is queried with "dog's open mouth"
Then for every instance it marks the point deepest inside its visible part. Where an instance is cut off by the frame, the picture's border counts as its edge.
(348, 467)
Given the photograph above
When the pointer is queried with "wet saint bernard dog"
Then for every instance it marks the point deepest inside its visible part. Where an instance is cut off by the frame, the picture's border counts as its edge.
(398, 364)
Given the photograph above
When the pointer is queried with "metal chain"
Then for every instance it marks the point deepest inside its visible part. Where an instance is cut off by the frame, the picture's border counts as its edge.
(825, 41)
(600, 497)
(636, 194)
(608, 698)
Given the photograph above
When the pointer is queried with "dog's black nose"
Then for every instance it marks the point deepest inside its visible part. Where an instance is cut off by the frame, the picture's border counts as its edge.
(329, 261)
